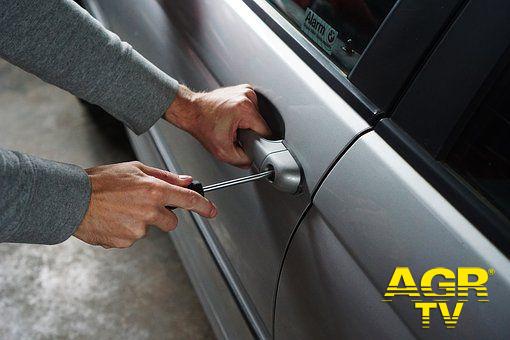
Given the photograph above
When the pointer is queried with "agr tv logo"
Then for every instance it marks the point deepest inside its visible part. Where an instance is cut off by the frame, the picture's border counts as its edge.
(450, 286)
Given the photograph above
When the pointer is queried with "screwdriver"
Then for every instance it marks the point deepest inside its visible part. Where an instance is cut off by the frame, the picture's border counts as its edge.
(198, 187)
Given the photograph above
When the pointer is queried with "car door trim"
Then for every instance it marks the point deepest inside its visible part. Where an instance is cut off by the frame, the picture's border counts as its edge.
(492, 223)
(424, 130)
(360, 87)
(394, 55)
(455, 64)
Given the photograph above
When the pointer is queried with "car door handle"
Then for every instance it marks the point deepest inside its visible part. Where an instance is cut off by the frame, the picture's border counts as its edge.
(272, 155)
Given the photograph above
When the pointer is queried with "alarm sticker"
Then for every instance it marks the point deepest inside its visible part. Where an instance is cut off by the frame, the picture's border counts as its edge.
(319, 31)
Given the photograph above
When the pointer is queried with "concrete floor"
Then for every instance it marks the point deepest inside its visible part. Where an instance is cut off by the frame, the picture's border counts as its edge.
(74, 290)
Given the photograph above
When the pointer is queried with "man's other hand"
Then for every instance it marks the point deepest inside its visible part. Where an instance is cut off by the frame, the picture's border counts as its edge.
(128, 197)
(213, 118)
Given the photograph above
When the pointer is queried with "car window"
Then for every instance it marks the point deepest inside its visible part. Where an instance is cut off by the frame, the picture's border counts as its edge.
(342, 29)
(482, 153)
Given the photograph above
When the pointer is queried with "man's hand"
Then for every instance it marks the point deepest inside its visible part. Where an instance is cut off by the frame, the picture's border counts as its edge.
(213, 118)
(128, 197)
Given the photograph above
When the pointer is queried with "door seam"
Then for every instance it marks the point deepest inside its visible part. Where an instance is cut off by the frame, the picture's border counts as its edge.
(303, 215)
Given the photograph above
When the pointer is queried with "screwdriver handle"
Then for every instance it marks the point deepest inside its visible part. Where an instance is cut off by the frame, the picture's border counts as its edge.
(195, 186)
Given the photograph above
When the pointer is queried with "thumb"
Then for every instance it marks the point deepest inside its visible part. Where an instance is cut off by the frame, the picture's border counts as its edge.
(239, 158)
(255, 122)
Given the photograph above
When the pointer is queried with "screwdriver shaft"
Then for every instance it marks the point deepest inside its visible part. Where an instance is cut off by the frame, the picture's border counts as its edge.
(237, 181)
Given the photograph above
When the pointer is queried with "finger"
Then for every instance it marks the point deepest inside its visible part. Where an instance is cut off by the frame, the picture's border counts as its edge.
(165, 220)
(240, 158)
(248, 86)
(233, 154)
(167, 176)
(252, 96)
(119, 243)
(189, 200)
(254, 121)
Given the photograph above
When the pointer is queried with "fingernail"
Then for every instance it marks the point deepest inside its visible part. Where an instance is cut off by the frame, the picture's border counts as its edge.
(214, 211)
(185, 177)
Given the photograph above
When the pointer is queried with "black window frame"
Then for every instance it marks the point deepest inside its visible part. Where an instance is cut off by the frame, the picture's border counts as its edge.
(380, 75)
(428, 120)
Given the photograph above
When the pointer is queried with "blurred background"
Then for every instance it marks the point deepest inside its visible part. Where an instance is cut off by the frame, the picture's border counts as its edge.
(73, 290)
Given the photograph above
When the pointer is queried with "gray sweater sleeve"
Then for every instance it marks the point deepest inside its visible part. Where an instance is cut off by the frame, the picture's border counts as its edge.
(62, 44)
(40, 201)
(43, 201)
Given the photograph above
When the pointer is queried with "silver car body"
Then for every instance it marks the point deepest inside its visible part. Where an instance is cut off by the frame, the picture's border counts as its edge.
(314, 264)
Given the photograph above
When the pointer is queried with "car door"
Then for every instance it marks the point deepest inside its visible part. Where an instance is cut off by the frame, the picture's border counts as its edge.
(426, 190)
(255, 220)
(304, 90)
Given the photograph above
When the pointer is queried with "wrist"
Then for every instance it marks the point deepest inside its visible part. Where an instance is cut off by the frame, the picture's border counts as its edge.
(183, 112)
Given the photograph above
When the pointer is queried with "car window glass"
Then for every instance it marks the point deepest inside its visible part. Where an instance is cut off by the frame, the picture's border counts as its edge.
(482, 153)
(342, 29)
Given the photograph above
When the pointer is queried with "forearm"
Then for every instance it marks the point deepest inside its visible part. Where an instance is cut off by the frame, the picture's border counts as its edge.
(40, 201)
(63, 45)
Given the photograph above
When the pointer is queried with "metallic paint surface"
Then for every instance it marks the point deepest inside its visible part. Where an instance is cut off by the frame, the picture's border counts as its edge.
(222, 264)
(237, 47)
(215, 296)
(372, 213)
(206, 44)
(374, 207)
(324, 294)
